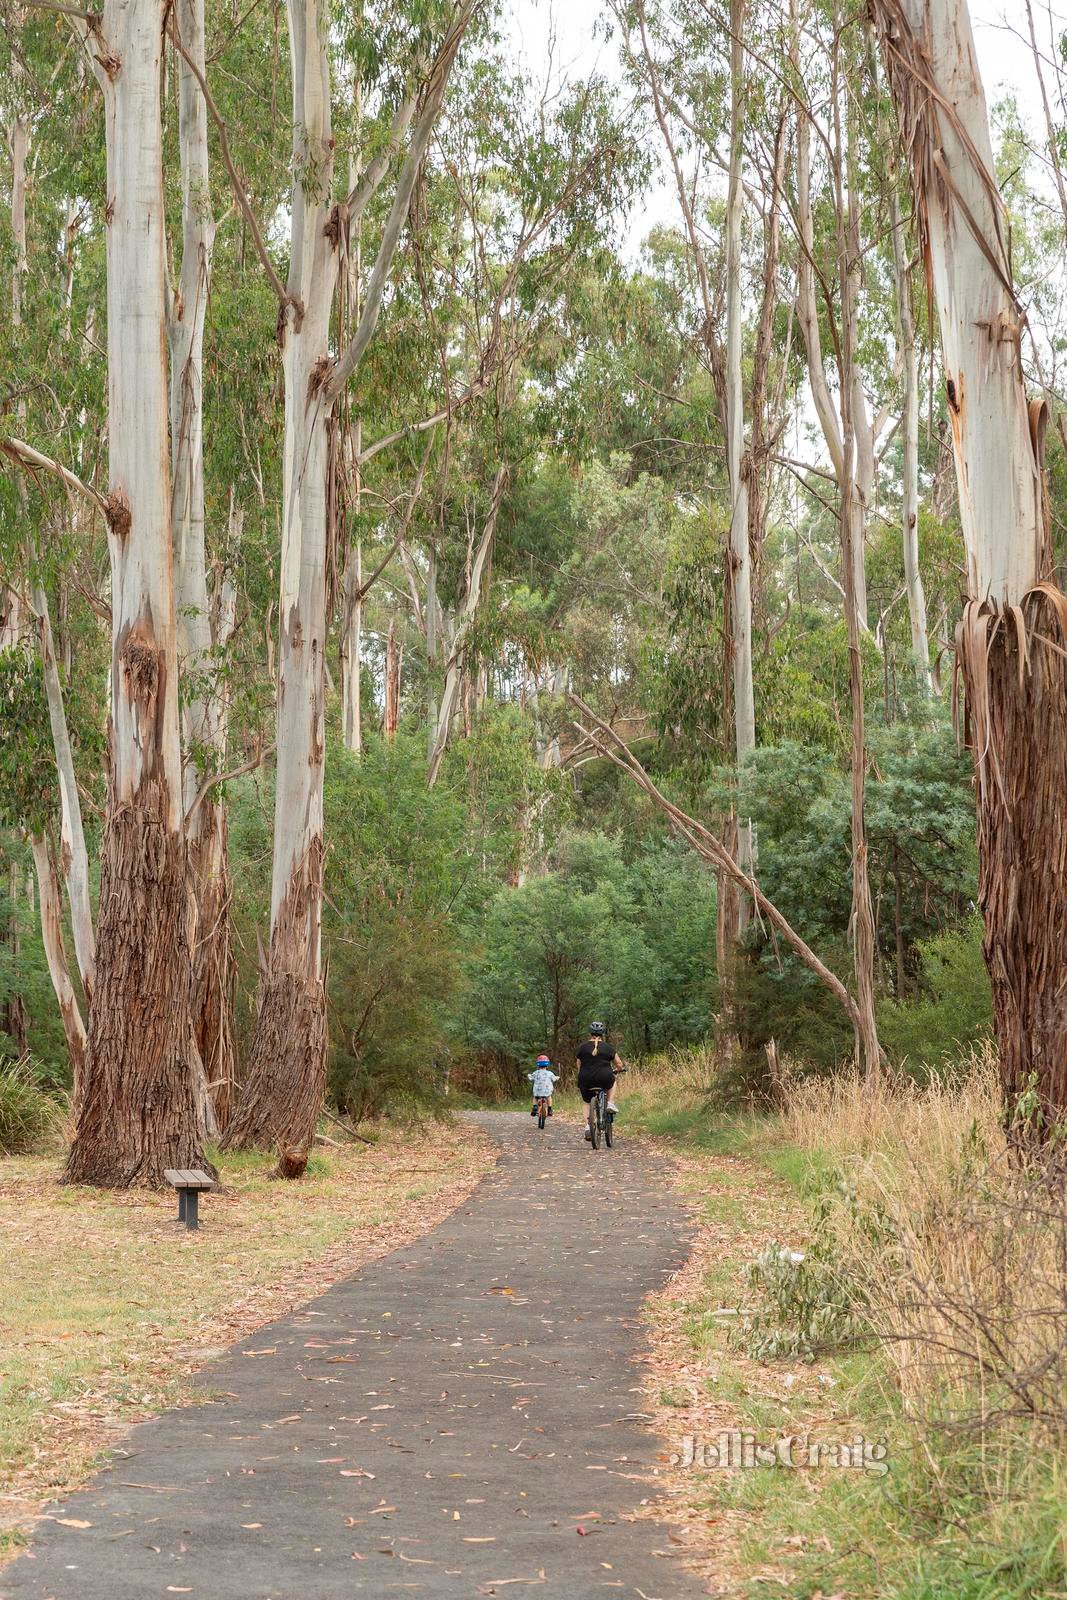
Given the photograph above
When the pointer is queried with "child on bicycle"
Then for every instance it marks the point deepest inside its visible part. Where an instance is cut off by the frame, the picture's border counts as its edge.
(544, 1081)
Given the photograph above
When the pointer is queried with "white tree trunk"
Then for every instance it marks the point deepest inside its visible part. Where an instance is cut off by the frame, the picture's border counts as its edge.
(137, 1114)
(352, 649)
(450, 695)
(185, 328)
(1012, 639)
(1000, 488)
(861, 473)
(737, 465)
(50, 900)
(204, 716)
(286, 1079)
(74, 856)
(909, 349)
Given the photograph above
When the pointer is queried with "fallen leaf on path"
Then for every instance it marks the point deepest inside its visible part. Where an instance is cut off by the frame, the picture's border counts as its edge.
(72, 1522)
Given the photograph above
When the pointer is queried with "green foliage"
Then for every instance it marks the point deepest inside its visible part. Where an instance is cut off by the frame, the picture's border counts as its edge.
(28, 1113)
(922, 866)
(27, 768)
(631, 941)
(952, 1011)
(393, 924)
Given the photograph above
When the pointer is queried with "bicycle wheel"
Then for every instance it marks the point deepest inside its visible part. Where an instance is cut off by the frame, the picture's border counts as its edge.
(542, 1114)
(594, 1122)
(609, 1124)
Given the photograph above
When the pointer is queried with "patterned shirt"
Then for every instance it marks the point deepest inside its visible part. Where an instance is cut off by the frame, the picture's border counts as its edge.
(544, 1081)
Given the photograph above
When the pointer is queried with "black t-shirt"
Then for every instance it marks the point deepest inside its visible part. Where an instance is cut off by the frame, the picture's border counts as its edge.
(594, 1054)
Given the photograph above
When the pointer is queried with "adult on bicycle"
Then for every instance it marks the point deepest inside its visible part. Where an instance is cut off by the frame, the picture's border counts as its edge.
(599, 1064)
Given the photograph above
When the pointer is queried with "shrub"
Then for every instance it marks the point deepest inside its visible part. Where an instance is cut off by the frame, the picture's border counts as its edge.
(28, 1115)
(954, 1010)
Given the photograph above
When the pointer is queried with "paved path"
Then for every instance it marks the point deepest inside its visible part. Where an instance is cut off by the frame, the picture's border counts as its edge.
(437, 1425)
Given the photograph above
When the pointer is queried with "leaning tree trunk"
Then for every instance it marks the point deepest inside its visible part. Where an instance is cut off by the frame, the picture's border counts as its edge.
(203, 717)
(138, 1113)
(55, 949)
(75, 857)
(286, 1076)
(1012, 638)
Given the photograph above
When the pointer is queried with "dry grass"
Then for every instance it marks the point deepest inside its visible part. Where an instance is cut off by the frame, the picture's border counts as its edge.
(955, 1262)
(109, 1308)
(904, 1123)
(968, 1289)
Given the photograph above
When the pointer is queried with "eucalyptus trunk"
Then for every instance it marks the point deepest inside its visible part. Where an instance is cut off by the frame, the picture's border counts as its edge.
(204, 714)
(739, 462)
(137, 1114)
(1012, 639)
(74, 855)
(454, 670)
(50, 900)
(286, 1076)
(909, 351)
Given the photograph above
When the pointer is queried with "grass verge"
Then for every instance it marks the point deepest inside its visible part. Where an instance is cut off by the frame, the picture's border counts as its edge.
(926, 1319)
(110, 1308)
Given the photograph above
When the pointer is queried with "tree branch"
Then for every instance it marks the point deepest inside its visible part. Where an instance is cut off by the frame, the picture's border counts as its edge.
(213, 779)
(370, 182)
(284, 298)
(432, 100)
(28, 457)
(602, 735)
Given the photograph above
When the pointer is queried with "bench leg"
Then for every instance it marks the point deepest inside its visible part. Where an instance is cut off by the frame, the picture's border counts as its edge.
(192, 1219)
(182, 1194)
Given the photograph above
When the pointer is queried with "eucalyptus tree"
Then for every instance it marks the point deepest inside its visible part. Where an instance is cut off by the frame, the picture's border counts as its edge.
(49, 391)
(283, 1091)
(1011, 638)
(204, 622)
(693, 66)
(137, 1113)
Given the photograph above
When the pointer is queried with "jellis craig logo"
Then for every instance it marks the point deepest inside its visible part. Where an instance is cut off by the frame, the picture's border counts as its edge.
(736, 1449)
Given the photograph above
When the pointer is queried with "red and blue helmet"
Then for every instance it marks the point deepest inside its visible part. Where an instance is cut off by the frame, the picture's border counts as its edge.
(543, 1061)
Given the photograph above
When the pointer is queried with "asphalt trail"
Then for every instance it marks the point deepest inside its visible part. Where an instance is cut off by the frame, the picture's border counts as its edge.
(439, 1424)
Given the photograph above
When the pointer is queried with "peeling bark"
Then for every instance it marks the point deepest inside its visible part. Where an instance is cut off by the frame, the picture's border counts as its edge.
(393, 658)
(138, 1114)
(204, 717)
(281, 1100)
(283, 1090)
(1012, 640)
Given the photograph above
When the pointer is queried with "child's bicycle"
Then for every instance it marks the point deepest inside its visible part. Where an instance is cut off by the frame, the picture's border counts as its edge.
(542, 1110)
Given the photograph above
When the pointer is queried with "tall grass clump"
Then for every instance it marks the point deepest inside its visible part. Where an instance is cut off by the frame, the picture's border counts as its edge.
(938, 1254)
(29, 1116)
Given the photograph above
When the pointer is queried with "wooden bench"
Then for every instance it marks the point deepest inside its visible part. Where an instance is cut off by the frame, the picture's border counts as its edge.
(189, 1185)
